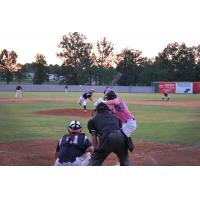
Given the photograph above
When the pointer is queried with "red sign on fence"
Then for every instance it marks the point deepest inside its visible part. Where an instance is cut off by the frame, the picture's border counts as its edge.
(196, 87)
(169, 87)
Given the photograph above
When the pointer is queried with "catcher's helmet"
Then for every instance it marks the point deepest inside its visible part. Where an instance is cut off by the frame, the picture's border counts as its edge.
(101, 107)
(110, 95)
(74, 127)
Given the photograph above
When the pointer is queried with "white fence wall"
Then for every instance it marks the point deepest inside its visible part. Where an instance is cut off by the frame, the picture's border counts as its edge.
(77, 88)
(184, 87)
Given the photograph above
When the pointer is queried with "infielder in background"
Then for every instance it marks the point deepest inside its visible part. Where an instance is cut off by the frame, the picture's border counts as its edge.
(84, 97)
(66, 88)
(165, 96)
(107, 137)
(18, 93)
(74, 148)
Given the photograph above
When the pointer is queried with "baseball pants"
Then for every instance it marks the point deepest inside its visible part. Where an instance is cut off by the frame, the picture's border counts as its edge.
(80, 161)
(129, 127)
(82, 101)
(18, 94)
(114, 142)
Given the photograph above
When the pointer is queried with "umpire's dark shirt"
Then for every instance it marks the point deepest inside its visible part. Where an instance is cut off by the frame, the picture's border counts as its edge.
(104, 123)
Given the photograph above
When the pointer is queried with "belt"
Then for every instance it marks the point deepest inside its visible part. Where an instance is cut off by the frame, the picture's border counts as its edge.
(128, 119)
(66, 161)
(114, 132)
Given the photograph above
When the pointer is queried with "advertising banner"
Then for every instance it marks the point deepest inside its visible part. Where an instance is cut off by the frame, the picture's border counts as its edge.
(184, 87)
(169, 87)
(196, 87)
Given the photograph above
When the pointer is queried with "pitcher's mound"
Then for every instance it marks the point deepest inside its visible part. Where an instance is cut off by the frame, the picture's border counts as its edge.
(67, 112)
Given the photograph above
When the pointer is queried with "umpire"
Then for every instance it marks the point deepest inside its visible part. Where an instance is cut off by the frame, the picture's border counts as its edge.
(107, 137)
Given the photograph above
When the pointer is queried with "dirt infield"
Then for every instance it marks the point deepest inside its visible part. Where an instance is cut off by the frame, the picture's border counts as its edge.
(40, 153)
(188, 104)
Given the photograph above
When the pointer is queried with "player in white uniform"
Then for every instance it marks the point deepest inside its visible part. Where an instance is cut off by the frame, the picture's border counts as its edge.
(84, 97)
(18, 93)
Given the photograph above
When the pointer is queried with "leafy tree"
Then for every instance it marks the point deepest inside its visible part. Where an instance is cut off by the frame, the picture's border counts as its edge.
(8, 61)
(40, 67)
(40, 59)
(147, 75)
(128, 63)
(196, 53)
(103, 59)
(70, 75)
(104, 55)
(76, 55)
(186, 64)
(20, 72)
(159, 71)
(146, 71)
(55, 69)
(178, 62)
(93, 75)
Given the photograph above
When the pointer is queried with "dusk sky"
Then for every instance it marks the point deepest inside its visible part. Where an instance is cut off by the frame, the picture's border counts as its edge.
(29, 27)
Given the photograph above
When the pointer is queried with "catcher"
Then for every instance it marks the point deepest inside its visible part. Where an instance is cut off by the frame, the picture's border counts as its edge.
(74, 148)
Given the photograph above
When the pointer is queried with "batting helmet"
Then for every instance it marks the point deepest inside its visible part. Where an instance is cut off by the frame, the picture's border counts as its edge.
(74, 127)
(110, 95)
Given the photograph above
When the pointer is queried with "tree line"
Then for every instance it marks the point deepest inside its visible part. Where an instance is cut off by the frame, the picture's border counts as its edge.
(85, 63)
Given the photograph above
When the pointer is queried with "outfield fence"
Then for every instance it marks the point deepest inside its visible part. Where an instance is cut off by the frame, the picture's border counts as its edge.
(77, 88)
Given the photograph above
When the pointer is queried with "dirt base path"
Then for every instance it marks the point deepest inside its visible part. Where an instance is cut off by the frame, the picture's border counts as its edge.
(178, 103)
(40, 153)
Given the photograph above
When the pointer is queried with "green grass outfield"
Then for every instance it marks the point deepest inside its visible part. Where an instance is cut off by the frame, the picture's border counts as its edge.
(174, 125)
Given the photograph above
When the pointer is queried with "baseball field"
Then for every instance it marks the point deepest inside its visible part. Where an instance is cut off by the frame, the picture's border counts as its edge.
(167, 134)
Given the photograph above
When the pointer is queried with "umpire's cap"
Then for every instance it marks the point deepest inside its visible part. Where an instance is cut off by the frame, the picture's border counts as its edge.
(101, 107)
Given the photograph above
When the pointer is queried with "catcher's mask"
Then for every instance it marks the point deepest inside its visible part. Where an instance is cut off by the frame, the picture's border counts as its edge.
(102, 107)
(74, 127)
(110, 95)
